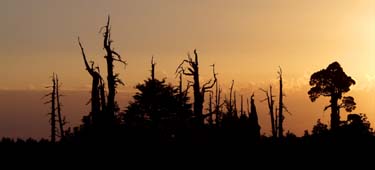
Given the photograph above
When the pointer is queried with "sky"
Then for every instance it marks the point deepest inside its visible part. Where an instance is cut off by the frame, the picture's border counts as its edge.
(247, 40)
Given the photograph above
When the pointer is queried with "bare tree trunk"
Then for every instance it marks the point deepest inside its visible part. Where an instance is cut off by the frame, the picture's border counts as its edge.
(112, 79)
(198, 99)
(281, 105)
(95, 87)
(53, 110)
(199, 92)
(61, 123)
(152, 68)
(217, 104)
(270, 103)
(253, 116)
(110, 75)
(335, 116)
(230, 108)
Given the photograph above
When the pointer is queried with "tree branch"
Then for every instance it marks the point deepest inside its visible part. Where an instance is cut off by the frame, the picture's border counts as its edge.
(88, 68)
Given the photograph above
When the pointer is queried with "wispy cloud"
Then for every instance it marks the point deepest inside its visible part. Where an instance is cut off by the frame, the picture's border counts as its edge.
(366, 83)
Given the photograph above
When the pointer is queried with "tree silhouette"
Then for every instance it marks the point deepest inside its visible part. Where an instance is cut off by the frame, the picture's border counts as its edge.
(161, 112)
(157, 105)
(320, 129)
(61, 119)
(253, 118)
(218, 103)
(348, 103)
(229, 103)
(98, 103)
(356, 125)
(332, 82)
(192, 69)
(55, 107)
(270, 103)
(281, 105)
(102, 110)
(112, 79)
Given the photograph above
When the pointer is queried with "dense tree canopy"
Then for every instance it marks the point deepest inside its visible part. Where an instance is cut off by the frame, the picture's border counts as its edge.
(157, 104)
(332, 82)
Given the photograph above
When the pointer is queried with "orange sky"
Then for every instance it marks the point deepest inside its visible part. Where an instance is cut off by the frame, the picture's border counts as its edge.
(247, 40)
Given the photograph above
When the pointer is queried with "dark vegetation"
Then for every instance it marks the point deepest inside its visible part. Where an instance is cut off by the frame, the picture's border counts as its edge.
(162, 113)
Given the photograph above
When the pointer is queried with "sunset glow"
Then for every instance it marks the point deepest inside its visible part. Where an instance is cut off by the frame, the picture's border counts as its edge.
(246, 40)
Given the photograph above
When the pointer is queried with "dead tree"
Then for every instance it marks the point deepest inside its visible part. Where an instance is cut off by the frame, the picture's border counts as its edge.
(211, 111)
(270, 102)
(152, 69)
(97, 88)
(282, 107)
(229, 103)
(253, 117)
(53, 111)
(55, 107)
(218, 105)
(59, 116)
(192, 69)
(52, 94)
(112, 78)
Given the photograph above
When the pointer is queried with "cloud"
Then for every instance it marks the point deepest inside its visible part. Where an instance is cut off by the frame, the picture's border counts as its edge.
(370, 78)
(367, 83)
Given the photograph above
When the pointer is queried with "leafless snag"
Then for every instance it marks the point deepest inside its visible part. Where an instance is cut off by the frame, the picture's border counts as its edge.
(112, 79)
(52, 120)
(189, 67)
(59, 116)
(282, 106)
(55, 107)
(270, 102)
(96, 87)
(229, 103)
(153, 68)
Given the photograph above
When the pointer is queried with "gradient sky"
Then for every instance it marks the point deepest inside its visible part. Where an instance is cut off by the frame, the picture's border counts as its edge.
(246, 39)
